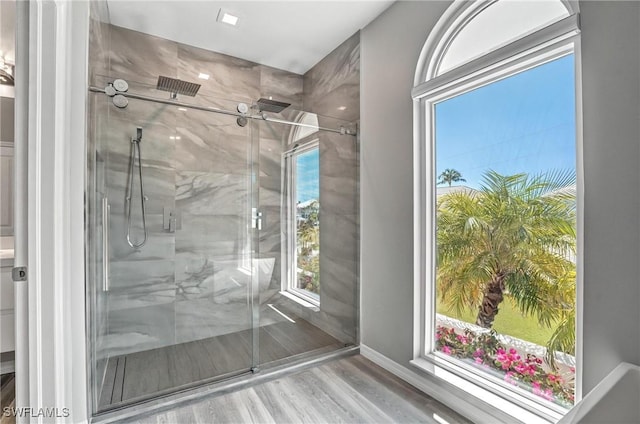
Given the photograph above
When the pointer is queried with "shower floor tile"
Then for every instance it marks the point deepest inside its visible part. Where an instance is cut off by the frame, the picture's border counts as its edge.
(144, 374)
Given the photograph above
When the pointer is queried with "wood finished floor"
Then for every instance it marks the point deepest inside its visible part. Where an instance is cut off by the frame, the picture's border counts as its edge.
(7, 397)
(348, 390)
(143, 374)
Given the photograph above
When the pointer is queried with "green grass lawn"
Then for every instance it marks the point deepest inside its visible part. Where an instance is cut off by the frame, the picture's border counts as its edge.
(508, 321)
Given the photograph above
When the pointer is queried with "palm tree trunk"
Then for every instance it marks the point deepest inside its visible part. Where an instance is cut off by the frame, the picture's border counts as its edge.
(493, 296)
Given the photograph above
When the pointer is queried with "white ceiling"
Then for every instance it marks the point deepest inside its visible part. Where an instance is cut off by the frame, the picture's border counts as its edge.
(290, 35)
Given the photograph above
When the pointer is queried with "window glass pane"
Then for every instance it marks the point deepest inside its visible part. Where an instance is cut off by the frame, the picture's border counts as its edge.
(310, 126)
(497, 25)
(307, 220)
(506, 229)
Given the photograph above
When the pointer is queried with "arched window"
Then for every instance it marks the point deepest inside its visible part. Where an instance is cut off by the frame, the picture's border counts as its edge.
(508, 21)
(497, 195)
(309, 126)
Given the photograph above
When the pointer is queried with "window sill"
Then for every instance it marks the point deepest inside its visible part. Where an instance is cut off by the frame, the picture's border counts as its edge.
(470, 383)
(300, 301)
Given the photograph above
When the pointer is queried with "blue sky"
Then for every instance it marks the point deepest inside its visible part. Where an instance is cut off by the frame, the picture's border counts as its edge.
(308, 169)
(524, 123)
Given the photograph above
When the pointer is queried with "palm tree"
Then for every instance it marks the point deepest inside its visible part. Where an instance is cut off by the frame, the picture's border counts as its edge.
(308, 226)
(514, 237)
(449, 176)
(307, 234)
(563, 338)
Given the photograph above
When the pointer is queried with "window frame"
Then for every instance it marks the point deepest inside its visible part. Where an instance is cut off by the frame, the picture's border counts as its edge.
(289, 283)
(547, 44)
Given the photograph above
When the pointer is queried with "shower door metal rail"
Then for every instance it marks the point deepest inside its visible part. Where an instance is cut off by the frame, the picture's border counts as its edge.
(260, 116)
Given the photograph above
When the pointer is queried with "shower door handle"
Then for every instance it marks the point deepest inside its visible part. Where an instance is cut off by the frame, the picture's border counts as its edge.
(106, 211)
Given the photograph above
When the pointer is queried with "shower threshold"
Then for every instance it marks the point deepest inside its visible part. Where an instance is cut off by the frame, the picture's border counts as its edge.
(143, 376)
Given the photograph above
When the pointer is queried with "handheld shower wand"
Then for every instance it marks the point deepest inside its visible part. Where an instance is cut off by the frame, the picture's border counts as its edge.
(135, 148)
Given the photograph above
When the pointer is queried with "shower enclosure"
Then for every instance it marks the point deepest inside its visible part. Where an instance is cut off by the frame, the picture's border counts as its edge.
(189, 221)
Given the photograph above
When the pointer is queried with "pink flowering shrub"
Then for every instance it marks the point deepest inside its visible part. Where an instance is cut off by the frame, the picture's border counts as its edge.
(526, 372)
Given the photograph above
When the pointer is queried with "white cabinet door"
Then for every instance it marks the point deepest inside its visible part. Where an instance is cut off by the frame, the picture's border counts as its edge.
(7, 327)
(6, 189)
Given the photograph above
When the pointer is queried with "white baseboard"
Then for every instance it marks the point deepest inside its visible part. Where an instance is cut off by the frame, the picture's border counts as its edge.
(7, 367)
(443, 392)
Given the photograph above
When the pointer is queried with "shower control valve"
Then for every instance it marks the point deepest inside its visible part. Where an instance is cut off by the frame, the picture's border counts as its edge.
(171, 220)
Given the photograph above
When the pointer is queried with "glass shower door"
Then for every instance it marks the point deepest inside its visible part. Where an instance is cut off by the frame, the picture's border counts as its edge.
(175, 311)
(306, 261)
(214, 247)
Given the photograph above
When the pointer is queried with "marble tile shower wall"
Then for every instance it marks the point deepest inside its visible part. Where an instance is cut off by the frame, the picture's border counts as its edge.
(186, 285)
(332, 89)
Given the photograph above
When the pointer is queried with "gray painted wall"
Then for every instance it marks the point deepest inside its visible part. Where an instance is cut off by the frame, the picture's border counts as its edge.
(390, 48)
(611, 86)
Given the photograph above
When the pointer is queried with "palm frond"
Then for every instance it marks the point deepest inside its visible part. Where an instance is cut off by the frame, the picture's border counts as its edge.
(563, 339)
(520, 226)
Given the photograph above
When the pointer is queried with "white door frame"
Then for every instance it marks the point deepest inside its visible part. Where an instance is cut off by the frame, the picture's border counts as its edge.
(51, 367)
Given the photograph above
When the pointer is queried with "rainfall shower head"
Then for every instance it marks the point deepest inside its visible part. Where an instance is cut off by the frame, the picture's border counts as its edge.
(176, 86)
(268, 105)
